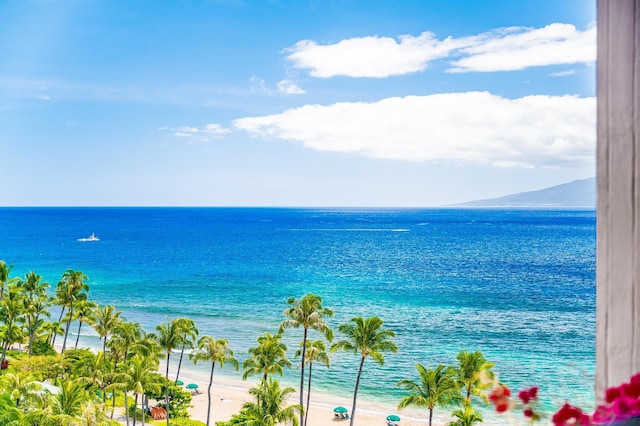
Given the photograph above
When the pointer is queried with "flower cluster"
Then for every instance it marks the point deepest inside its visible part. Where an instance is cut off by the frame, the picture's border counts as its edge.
(622, 406)
(622, 403)
(500, 397)
(568, 415)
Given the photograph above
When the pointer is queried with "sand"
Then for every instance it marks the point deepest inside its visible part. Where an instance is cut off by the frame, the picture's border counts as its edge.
(227, 397)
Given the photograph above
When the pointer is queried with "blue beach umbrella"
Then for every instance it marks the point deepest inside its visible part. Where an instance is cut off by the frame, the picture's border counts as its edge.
(192, 386)
(340, 409)
(179, 382)
(393, 418)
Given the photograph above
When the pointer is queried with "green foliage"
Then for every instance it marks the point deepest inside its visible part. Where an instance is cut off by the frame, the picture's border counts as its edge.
(475, 375)
(119, 400)
(435, 387)
(47, 367)
(179, 400)
(466, 417)
(41, 347)
(180, 421)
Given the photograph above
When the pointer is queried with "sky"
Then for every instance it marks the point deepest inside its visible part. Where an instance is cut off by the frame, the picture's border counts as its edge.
(293, 103)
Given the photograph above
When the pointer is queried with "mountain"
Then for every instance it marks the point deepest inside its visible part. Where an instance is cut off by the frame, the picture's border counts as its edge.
(579, 193)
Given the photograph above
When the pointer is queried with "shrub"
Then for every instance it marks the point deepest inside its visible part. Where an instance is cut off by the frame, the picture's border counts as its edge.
(40, 347)
(179, 400)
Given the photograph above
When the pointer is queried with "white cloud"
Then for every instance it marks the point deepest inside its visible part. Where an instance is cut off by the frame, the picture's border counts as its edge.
(370, 56)
(472, 127)
(504, 49)
(562, 73)
(205, 134)
(289, 87)
(519, 48)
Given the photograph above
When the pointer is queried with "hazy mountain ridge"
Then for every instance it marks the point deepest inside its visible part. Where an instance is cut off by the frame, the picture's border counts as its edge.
(578, 193)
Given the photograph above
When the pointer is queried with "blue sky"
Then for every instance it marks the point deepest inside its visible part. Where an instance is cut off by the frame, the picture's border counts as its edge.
(293, 103)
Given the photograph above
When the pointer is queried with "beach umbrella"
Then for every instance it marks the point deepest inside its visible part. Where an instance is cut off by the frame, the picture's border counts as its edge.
(192, 386)
(340, 409)
(179, 382)
(393, 418)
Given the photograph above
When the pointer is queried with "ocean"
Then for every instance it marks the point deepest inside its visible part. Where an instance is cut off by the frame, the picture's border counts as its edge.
(518, 285)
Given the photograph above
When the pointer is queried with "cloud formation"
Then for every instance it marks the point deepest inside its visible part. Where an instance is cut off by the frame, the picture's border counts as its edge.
(471, 127)
(505, 49)
(518, 48)
(205, 134)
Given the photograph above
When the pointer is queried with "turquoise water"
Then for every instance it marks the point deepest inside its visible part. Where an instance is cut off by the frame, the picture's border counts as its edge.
(518, 285)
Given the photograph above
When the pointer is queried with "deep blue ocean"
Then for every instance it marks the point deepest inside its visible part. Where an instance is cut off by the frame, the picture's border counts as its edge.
(518, 285)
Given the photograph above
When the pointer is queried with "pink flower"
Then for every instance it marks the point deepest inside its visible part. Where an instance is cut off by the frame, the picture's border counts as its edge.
(569, 415)
(524, 396)
(603, 415)
(527, 395)
(612, 394)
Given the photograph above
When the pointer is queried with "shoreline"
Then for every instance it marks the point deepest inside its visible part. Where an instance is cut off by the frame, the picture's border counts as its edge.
(228, 395)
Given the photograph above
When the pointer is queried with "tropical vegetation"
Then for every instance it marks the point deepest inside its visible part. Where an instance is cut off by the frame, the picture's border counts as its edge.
(40, 385)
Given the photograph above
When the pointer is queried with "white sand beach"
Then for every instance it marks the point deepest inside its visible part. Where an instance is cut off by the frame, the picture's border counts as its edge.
(227, 397)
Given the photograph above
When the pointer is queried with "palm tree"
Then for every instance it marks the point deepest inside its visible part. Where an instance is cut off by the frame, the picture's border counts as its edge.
(142, 378)
(71, 399)
(306, 313)
(127, 337)
(169, 338)
(474, 375)
(268, 409)
(10, 415)
(22, 386)
(437, 386)
(466, 417)
(11, 310)
(188, 334)
(84, 313)
(267, 358)
(32, 285)
(36, 308)
(316, 351)
(73, 288)
(105, 320)
(213, 350)
(52, 329)
(367, 338)
(5, 281)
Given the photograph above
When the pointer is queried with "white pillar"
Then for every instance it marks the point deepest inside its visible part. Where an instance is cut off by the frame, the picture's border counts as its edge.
(618, 207)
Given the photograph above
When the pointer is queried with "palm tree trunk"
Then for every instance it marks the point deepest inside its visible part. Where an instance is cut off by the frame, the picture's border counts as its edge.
(61, 313)
(213, 365)
(166, 401)
(78, 338)
(66, 332)
(6, 345)
(304, 350)
(135, 407)
(144, 404)
(126, 408)
(104, 348)
(180, 363)
(306, 413)
(430, 415)
(113, 401)
(355, 392)
(30, 334)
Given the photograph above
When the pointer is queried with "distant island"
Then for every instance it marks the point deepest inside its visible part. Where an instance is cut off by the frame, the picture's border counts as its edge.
(579, 193)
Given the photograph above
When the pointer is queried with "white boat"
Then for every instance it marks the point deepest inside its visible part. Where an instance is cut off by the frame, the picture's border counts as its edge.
(92, 237)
